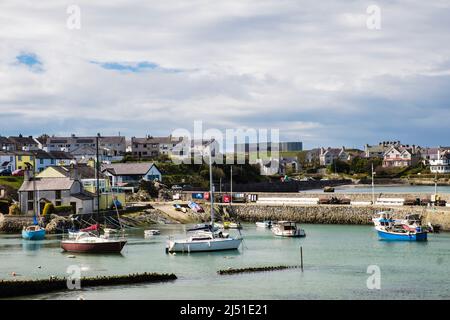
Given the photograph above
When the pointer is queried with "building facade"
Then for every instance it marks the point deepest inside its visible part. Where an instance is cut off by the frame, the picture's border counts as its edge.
(441, 164)
(36, 192)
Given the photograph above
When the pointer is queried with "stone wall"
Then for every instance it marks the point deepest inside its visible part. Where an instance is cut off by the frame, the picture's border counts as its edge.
(14, 224)
(335, 214)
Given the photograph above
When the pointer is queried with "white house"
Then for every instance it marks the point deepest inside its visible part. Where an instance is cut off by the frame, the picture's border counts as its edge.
(329, 155)
(35, 192)
(124, 174)
(52, 158)
(7, 160)
(442, 164)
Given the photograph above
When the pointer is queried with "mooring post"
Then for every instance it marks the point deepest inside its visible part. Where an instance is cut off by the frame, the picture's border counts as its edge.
(301, 258)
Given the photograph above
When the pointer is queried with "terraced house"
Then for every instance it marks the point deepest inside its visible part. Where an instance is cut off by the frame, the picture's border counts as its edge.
(110, 147)
(150, 146)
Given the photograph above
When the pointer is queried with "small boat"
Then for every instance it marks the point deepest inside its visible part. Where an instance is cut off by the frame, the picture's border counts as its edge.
(403, 233)
(264, 224)
(152, 232)
(230, 225)
(34, 232)
(287, 229)
(204, 241)
(86, 242)
(177, 207)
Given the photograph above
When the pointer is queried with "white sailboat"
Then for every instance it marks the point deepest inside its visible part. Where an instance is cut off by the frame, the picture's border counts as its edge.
(206, 240)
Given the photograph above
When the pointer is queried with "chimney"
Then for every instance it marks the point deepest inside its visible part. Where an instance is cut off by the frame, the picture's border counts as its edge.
(74, 172)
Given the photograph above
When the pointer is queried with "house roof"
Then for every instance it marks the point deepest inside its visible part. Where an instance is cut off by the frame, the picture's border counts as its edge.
(155, 140)
(83, 196)
(88, 139)
(84, 171)
(22, 140)
(47, 184)
(57, 155)
(5, 140)
(128, 169)
(84, 150)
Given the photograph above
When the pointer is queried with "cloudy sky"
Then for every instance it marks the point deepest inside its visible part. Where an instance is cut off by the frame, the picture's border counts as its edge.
(312, 69)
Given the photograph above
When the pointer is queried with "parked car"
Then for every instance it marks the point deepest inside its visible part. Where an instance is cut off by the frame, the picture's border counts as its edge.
(5, 172)
(176, 187)
(18, 173)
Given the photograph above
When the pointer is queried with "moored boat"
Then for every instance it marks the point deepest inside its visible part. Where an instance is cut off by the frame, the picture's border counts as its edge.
(34, 232)
(401, 233)
(204, 241)
(152, 232)
(287, 229)
(86, 242)
(264, 224)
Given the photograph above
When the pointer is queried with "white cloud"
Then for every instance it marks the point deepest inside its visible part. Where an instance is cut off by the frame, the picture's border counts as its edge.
(306, 66)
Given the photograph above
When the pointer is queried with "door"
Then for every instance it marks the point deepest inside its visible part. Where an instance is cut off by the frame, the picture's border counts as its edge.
(74, 207)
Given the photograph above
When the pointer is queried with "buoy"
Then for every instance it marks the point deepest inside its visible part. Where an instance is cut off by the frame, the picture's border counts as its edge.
(13, 274)
(39, 267)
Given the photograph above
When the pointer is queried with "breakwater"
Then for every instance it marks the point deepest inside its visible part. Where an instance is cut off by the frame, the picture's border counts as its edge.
(15, 288)
(335, 214)
(255, 269)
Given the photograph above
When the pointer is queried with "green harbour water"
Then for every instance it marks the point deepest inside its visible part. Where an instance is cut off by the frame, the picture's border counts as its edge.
(336, 258)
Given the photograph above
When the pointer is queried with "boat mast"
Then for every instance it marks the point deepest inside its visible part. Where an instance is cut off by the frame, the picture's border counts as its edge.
(373, 186)
(97, 176)
(231, 185)
(211, 193)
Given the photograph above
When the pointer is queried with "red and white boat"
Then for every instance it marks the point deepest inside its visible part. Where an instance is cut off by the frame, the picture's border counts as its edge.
(86, 242)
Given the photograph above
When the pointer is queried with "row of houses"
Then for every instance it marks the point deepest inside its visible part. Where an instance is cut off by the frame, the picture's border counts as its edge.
(38, 159)
(393, 155)
(111, 148)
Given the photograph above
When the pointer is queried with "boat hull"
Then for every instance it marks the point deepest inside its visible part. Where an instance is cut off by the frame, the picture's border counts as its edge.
(296, 234)
(33, 235)
(86, 247)
(419, 236)
(204, 245)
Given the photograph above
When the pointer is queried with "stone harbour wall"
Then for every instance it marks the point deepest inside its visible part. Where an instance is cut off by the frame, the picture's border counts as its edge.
(336, 214)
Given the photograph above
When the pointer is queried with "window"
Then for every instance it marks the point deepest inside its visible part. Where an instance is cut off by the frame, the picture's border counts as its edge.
(41, 161)
(58, 203)
(19, 158)
(58, 194)
(30, 195)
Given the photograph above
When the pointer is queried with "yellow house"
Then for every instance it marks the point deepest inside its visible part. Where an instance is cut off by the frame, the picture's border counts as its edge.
(23, 158)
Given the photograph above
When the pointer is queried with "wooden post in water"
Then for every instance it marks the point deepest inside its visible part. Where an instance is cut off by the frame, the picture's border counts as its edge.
(301, 258)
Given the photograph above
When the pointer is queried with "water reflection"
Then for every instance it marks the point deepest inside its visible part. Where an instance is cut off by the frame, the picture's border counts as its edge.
(28, 245)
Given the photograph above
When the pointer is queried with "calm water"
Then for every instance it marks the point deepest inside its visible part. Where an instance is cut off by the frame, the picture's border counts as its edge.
(388, 189)
(335, 258)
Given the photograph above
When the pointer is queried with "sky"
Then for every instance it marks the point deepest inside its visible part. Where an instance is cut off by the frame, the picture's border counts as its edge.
(313, 70)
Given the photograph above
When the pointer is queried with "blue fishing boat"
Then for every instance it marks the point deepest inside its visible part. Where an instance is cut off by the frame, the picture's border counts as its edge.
(401, 234)
(34, 232)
